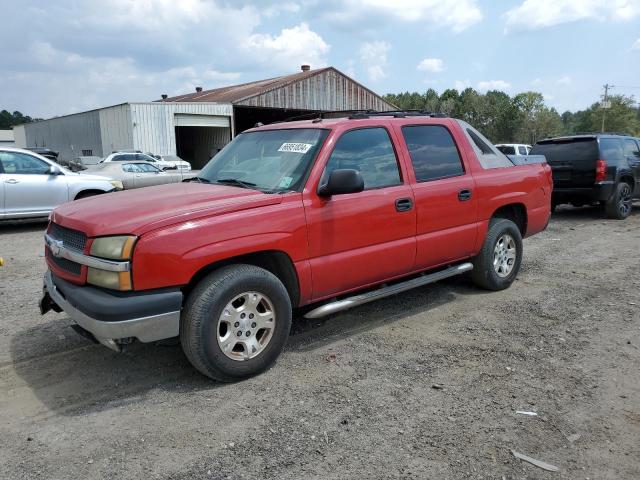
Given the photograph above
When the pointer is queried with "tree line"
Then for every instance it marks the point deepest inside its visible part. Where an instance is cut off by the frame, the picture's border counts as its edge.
(8, 120)
(523, 118)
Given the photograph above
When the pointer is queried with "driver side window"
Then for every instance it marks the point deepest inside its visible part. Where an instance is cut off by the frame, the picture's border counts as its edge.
(370, 151)
(22, 164)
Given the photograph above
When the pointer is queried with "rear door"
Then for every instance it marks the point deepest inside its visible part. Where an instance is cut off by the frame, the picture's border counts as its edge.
(28, 187)
(572, 160)
(367, 237)
(632, 153)
(146, 175)
(446, 200)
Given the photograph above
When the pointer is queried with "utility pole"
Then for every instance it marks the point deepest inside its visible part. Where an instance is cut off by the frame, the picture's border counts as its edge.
(604, 105)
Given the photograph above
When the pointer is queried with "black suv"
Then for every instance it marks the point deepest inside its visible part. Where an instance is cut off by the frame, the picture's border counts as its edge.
(598, 168)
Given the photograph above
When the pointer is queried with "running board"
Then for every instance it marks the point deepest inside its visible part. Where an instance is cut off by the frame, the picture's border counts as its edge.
(339, 305)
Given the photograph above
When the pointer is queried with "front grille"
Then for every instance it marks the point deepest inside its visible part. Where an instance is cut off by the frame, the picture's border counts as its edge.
(66, 265)
(73, 239)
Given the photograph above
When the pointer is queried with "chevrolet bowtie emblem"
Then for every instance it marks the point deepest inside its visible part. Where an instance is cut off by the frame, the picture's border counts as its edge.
(55, 246)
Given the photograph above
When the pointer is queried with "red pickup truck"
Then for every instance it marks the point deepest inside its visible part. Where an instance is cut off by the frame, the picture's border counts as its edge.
(314, 216)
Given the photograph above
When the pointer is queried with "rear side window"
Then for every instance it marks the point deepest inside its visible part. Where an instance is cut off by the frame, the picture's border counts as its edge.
(522, 150)
(433, 152)
(370, 151)
(631, 149)
(484, 148)
(611, 149)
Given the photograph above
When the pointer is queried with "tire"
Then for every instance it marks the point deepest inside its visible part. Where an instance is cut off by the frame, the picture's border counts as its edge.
(486, 272)
(212, 319)
(619, 205)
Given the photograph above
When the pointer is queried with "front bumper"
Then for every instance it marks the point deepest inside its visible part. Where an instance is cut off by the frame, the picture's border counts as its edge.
(111, 317)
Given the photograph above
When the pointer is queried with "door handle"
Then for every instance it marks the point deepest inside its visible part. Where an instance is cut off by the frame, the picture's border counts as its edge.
(404, 204)
(12, 181)
(464, 195)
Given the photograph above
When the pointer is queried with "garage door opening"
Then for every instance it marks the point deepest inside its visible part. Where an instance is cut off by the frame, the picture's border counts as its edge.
(247, 117)
(197, 145)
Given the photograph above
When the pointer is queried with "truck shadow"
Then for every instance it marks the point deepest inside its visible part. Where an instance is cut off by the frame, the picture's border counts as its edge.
(22, 226)
(90, 378)
(567, 212)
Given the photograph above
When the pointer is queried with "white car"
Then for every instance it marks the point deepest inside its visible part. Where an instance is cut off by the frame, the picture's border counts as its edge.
(32, 186)
(169, 162)
(514, 148)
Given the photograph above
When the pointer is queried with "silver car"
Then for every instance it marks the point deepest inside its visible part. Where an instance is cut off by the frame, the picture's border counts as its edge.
(136, 174)
(32, 186)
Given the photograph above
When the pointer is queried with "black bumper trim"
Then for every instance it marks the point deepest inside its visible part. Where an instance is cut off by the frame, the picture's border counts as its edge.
(118, 306)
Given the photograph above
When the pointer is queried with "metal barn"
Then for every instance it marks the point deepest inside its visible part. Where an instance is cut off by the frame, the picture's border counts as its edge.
(197, 125)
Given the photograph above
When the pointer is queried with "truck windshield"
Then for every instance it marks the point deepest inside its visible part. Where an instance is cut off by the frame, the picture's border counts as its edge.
(269, 160)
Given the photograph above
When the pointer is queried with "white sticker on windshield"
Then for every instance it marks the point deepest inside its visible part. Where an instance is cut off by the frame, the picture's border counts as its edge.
(295, 147)
(285, 182)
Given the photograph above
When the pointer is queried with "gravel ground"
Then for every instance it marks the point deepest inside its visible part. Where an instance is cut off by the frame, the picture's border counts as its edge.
(422, 385)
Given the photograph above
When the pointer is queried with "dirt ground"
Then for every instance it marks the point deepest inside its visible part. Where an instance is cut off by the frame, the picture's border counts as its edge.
(422, 385)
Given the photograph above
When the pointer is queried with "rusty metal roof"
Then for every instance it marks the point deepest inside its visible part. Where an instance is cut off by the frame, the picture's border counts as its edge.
(242, 92)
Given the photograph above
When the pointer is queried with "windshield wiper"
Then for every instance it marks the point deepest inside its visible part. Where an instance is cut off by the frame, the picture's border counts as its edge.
(196, 179)
(236, 182)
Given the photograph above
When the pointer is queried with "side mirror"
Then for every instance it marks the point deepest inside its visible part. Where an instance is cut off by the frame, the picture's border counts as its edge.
(54, 170)
(341, 182)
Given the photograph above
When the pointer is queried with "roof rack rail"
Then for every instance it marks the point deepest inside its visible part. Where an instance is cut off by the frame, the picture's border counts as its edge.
(362, 114)
(622, 134)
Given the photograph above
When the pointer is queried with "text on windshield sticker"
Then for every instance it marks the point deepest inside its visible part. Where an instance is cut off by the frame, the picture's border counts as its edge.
(295, 147)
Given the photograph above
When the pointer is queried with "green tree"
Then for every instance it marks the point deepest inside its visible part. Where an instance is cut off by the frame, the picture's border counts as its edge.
(8, 120)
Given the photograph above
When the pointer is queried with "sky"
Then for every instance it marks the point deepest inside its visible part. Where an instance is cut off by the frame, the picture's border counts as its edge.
(66, 56)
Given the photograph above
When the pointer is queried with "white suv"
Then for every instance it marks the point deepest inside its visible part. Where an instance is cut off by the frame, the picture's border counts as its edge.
(514, 148)
(163, 163)
(32, 186)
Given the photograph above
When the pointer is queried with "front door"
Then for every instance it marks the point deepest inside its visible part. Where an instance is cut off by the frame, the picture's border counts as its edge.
(445, 196)
(29, 188)
(367, 237)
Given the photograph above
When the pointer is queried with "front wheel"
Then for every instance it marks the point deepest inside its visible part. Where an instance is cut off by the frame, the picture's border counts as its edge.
(498, 263)
(620, 204)
(235, 322)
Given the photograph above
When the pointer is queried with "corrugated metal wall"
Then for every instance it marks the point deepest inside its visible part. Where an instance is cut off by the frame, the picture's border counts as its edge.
(326, 91)
(69, 135)
(154, 127)
(116, 128)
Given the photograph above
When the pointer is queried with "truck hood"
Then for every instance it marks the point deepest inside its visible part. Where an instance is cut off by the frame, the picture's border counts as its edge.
(138, 211)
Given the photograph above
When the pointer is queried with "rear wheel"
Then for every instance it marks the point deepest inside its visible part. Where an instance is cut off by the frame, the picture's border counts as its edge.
(236, 322)
(620, 204)
(498, 263)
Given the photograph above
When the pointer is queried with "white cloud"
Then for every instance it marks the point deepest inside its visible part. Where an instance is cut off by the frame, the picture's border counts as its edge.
(636, 45)
(291, 48)
(536, 82)
(374, 57)
(536, 14)
(455, 14)
(566, 80)
(432, 65)
(461, 85)
(113, 51)
(493, 85)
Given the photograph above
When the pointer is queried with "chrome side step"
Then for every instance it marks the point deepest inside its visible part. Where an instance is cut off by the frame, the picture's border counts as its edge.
(363, 298)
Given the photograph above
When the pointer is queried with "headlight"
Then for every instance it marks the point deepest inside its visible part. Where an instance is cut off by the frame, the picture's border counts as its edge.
(117, 184)
(113, 280)
(113, 248)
